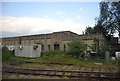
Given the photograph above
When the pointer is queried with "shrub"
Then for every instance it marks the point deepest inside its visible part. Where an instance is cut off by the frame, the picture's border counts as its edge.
(77, 48)
(6, 55)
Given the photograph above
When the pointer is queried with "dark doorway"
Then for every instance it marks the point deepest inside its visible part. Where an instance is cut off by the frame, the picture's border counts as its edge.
(48, 47)
(56, 46)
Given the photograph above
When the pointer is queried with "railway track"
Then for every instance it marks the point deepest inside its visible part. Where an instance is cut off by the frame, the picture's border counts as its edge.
(62, 73)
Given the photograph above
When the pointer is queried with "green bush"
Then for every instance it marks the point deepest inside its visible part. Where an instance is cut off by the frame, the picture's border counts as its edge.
(6, 55)
(77, 49)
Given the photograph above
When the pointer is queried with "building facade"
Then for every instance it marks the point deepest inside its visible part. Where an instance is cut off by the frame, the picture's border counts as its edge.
(55, 40)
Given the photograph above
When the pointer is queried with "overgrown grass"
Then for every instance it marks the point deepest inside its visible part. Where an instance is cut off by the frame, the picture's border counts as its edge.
(62, 58)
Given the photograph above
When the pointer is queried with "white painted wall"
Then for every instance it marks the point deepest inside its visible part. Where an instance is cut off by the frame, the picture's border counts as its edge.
(28, 51)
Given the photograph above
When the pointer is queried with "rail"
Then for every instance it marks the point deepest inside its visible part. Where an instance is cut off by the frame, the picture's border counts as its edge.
(62, 73)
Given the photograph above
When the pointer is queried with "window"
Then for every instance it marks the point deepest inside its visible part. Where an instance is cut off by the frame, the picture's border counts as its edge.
(56, 46)
(48, 47)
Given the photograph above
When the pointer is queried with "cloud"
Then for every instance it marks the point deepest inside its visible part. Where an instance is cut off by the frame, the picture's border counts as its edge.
(81, 9)
(27, 25)
(78, 17)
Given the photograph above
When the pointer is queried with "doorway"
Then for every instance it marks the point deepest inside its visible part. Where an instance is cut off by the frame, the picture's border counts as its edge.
(56, 46)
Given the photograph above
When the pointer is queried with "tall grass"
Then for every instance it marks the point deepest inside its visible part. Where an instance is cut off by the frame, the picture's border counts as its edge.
(59, 57)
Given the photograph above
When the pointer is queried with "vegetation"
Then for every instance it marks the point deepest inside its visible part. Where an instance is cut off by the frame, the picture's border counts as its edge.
(77, 48)
(108, 21)
(55, 56)
(52, 53)
(6, 55)
(66, 59)
(103, 49)
(89, 30)
(107, 24)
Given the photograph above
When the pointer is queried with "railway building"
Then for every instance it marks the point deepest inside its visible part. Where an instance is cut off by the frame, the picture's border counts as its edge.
(56, 40)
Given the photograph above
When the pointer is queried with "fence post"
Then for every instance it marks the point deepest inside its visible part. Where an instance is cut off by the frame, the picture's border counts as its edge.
(107, 57)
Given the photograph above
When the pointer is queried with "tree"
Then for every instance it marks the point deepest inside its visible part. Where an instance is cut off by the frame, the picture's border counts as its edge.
(115, 13)
(89, 30)
(109, 20)
(77, 48)
(100, 26)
